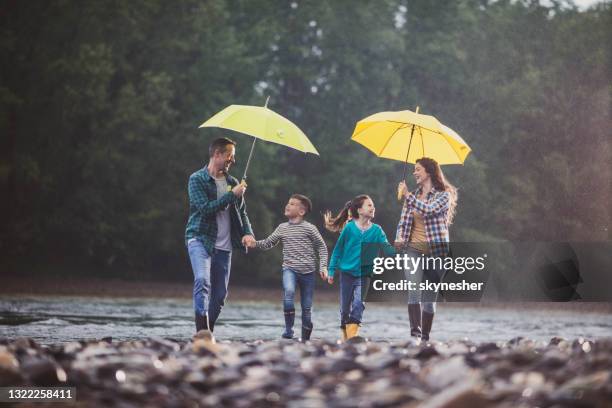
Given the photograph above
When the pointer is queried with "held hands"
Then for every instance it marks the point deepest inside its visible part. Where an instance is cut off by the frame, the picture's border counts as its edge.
(239, 189)
(323, 273)
(330, 279)
(398, 245)
(248, 241)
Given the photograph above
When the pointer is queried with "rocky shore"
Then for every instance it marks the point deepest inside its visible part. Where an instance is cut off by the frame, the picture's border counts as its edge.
(177, 373)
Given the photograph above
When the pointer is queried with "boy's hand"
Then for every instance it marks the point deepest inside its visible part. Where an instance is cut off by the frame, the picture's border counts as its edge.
(323, 273)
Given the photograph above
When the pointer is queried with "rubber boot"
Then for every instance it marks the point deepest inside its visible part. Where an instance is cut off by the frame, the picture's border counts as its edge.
(427, 322)
(352, 330)
(344, 336)
(306, 331)
(201, 322)
(289, 320)
(414, 315)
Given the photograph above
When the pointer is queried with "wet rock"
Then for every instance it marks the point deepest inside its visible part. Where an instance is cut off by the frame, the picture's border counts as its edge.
(427, 352)
(9, 369)
(170, 373)
(555, 341)
(8, 360)
(439, 375)
(487, 348)
(515, 341)
(356, 340)
(462, 395)
(345, 364)
(43, 371)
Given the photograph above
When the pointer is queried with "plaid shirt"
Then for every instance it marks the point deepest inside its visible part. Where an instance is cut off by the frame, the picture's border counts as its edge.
(204, 206)
(434, 210)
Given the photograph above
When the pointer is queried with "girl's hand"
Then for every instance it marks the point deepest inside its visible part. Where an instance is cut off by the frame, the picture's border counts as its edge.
(398, 245)
(330, 279)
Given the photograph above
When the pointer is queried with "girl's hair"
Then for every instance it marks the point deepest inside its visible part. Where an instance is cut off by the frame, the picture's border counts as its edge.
(348, 213)
(441, 184)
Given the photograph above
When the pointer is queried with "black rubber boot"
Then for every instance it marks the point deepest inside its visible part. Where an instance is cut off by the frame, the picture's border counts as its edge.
(306, 331)
(289, 320)
(427, 322)
(414, 315)
(201, 322)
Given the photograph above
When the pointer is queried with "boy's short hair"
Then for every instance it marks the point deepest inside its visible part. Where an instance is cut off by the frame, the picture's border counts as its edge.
(305, 201)
(220, 144)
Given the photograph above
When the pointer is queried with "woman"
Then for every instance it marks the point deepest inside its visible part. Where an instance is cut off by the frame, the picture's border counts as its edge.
(422, 232)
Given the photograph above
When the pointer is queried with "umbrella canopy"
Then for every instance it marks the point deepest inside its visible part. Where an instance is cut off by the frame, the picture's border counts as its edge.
(261, 123)
(407, 136)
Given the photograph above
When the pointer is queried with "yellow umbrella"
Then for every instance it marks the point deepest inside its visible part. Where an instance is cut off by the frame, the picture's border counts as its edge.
(261, 123)
(407, 136)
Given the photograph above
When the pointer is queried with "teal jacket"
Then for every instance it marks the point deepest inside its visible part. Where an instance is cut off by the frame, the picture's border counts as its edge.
(351, 256)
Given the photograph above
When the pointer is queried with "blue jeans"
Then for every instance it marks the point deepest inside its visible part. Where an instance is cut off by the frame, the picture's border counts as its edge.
(427, 299)
(306, 283)
(352, 293)
(210, 278)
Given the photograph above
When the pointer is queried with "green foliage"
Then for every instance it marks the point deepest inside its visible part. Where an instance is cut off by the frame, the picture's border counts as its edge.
(101, 103)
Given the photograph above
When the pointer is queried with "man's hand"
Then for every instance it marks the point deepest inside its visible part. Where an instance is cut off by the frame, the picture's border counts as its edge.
(398, 245)
(239, 189)
(323, 273)
(248, 241)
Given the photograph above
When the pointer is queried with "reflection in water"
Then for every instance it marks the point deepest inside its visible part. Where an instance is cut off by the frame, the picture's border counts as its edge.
(61, 319)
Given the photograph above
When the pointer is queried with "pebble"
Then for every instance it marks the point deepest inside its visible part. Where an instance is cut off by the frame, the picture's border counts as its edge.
(202, 372)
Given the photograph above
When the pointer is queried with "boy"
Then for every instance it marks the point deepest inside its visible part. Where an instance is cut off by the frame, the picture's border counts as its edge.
(300, 241)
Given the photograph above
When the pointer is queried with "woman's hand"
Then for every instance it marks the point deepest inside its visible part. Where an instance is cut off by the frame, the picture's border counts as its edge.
(330, 279)
(402, 190)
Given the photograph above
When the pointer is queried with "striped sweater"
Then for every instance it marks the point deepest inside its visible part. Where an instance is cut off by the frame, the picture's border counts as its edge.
(300, 241)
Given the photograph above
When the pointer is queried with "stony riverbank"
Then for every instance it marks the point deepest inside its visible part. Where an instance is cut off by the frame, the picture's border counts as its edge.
(163, 372)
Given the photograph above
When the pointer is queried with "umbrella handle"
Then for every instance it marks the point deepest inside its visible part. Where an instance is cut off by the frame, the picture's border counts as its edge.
(244, 177)
(400, 194)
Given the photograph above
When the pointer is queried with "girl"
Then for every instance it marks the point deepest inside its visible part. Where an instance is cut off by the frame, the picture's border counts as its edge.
(355, 267)
(422, 230)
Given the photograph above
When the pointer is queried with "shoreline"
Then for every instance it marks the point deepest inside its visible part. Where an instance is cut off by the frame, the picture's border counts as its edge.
(120, 288)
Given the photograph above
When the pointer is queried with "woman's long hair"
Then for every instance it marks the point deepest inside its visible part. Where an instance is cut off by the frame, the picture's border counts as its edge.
(441, 184)
(349, 212)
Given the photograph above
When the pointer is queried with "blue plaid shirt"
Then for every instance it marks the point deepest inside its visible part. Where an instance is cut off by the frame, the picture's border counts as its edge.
(204, 206)
(434, 210)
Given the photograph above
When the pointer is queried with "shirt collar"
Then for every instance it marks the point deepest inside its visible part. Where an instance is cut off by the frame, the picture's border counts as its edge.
(419, 189)
(208, 177)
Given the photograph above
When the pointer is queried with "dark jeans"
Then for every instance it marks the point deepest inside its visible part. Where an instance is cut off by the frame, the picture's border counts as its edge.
(426, 298)
(353, 291)
(210, 278)
(306, 283)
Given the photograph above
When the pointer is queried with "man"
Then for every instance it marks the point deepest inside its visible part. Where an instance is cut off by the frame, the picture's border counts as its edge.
(217, 223)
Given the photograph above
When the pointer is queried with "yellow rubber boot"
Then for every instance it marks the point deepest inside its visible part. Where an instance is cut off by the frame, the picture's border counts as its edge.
(344, 335)
(352, 330)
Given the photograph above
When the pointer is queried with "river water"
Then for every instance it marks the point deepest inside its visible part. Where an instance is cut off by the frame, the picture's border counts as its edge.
(61, 319)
